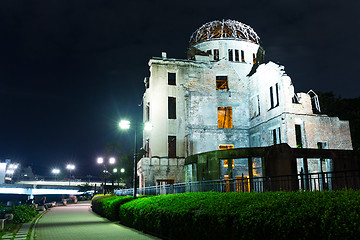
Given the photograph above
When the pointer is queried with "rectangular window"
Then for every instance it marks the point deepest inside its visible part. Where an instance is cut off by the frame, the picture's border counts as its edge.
(230, 51)
(147, 112)
(242, 56)
(254, 58)
(221, 82)
(298, 136)
(208, 52)
(276, 135)
(172, 146)
(254, 106)
(226, 147)
(172, 78)
(171, 108)
(225, 117)
(216, 55)
(274, 99)
(271, 98)
(236, 55)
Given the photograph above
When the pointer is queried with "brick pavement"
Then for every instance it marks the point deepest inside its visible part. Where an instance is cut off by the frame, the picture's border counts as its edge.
(78, 222)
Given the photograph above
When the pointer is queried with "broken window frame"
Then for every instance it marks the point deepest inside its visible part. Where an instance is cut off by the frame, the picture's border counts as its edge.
(171, 108)
(171, 146)
(172, 78)
(225, 117)
(222, 83)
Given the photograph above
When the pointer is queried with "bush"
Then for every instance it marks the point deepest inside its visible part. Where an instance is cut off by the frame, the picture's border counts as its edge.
(23, 213)
(108, 205)
(272, 215)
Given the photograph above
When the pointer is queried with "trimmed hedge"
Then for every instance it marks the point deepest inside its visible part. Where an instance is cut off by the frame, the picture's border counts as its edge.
(271, 215)
(108, 205)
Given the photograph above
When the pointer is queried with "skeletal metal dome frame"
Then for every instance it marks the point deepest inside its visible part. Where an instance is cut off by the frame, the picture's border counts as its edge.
(225, 29)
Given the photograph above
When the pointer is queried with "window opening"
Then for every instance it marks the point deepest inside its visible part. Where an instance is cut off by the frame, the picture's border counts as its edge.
(225, 117)
(277, 94)
(314, 102)
(216, 54)
(221, 82)
(172, 146)
(230, 51)
(276, 135)
(208, 52)
(171, 108)
(255, 106)
(274, 100)
(271, 98)
(254, 58)
(242, 56)
(171, 78)
(298, 136)
(147, 112)
(236, 55)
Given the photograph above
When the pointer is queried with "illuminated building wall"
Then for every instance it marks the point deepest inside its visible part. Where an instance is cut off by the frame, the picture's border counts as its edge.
(225, 95)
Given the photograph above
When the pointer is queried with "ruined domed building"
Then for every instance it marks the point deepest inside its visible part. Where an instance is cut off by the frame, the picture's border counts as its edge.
(224, 96)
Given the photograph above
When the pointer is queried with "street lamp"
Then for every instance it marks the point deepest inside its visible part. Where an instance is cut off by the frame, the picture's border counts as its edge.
(70, 167)
(55, 171)
(100, 160)
(125, 124)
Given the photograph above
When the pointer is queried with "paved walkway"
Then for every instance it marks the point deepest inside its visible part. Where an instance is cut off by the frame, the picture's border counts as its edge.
(77, 221)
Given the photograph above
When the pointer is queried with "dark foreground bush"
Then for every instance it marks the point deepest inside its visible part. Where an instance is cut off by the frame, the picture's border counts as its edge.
(23, 213)
(273, 215)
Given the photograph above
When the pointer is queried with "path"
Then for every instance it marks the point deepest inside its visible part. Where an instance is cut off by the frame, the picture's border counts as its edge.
(78, 222)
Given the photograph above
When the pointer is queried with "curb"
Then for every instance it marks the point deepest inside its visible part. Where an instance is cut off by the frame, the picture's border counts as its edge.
(33, 225)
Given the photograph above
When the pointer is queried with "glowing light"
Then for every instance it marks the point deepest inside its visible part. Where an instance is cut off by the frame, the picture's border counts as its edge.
(124, 124)
(115, 170)
(70, 166)
(100, 160)
(148, 126)
(55, 171)
(112, 160)
(122, 170)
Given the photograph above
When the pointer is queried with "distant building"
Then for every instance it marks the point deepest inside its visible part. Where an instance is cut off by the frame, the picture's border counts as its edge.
(224, 96)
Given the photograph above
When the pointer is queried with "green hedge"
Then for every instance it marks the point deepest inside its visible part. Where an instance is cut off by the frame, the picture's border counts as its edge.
(272, 215)
(108, 205)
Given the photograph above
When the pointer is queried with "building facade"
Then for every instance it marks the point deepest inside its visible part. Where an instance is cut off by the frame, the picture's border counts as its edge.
(224, 96)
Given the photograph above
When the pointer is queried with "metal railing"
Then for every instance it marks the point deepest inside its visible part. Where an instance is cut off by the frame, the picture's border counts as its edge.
(312, 182)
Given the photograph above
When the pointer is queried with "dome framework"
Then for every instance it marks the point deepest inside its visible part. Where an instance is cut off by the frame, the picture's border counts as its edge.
(225, 29)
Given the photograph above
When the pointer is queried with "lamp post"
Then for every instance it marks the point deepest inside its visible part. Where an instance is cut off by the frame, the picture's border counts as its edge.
(100, 161)
(70, 167)
(55, 171)
(125, 124)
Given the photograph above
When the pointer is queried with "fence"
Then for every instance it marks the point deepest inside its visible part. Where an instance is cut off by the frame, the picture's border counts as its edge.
(312, 182)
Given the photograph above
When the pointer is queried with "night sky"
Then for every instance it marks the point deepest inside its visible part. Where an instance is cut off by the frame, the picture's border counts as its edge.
(71, 69)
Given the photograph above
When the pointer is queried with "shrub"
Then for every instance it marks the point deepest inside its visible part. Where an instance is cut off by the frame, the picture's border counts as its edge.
(23, 213)
(108, 205)
(272, 215)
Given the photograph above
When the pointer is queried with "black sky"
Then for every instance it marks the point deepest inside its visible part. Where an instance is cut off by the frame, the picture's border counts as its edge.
(70, 69)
